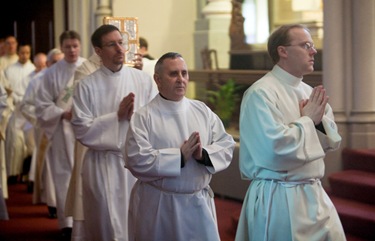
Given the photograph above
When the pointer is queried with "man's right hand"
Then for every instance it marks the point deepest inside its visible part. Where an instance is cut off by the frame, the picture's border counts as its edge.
(315, 106)
(126, 108)
(192, 147)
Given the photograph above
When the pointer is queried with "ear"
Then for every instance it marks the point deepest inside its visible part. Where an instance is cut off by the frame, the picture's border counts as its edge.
(98, 50)
(157, 79)
(282, 51)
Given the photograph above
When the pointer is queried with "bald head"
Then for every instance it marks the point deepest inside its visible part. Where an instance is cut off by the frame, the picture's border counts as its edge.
(40, 61)
(53, 56)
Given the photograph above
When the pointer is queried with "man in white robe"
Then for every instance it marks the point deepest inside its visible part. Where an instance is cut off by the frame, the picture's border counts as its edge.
(10, 56)
(40, 63)
(44, 190)
(7, 107)
(174, 146)
(15, 144)
(286, 128)
(54, 114)
(103, 103)
(73, 203)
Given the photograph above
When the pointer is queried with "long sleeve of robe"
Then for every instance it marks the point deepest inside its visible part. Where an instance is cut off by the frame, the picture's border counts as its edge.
(282, 153)
(28, 103)
(106, 184)
(54, 81)
(174, 200)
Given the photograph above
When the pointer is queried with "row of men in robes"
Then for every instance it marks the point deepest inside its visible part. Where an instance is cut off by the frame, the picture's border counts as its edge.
(17, 116)
(16, 132)
(53, 102)
(8, 56)
(91, 171)
(16, 68)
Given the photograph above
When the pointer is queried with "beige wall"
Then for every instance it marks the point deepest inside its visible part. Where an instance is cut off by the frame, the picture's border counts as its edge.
(168, 25)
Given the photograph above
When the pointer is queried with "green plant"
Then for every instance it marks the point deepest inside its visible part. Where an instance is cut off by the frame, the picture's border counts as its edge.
(224, 100)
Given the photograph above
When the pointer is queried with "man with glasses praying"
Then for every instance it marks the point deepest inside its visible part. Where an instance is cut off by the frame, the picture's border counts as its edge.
(286, 128)
(103, 103)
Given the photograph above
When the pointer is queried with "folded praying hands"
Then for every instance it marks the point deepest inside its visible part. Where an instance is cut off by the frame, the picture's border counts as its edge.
(314, 107)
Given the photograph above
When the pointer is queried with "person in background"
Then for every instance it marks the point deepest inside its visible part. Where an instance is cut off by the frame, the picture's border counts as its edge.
(286, 129)
(143, 49)
(147, 60)
(103, 103)
(10, 56)
(43, 188)
(15, 145)
(54, 115)
(174, 145)
(40, 63)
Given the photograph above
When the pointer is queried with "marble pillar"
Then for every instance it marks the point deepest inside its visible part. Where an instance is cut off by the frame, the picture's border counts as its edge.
(362, 108)
(212, 31)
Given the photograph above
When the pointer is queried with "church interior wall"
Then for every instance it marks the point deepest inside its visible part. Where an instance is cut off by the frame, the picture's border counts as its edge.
(168, 25)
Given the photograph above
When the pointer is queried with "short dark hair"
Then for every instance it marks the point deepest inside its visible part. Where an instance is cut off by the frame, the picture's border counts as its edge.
(169, 55)
(21, 45)
(280, 37)
(143, 42)
(96, 37)
(69, 34)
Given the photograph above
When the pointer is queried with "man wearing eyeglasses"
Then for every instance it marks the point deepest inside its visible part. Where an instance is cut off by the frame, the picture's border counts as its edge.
(286, 128)
(103, 103)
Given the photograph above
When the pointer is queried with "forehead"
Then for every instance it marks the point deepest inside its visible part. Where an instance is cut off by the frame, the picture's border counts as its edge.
(70, 41)
(299, 35)
(10, 40)
(175, 64)
(111, 36)
(24, 48)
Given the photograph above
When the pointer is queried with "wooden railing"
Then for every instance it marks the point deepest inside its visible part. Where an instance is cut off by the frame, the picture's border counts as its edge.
(244, 76)
(204, 79)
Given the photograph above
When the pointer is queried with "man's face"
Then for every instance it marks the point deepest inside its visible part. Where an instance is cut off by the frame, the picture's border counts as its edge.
(11, 45)
(300, 52)
(24, 54)
(112, 51)
(71, 49)
(173, 79)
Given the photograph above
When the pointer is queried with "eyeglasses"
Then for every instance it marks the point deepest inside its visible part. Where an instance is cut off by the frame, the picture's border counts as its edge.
(114, 44)
(307, 45)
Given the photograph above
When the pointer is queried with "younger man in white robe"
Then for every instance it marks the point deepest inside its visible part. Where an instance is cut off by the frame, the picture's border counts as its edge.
(174, 146)
(103, 103)
(15, 144)
(54, 115)
(43, 189)
(286, 128)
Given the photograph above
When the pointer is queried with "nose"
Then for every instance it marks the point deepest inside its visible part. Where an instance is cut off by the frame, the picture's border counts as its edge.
(313, 50)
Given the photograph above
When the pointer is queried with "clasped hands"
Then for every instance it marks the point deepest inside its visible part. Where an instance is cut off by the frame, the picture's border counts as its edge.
(314, 107)
(126, 108)
(192, 147)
